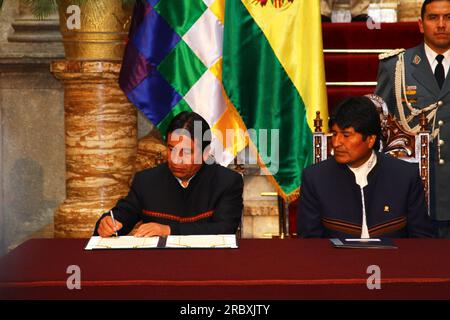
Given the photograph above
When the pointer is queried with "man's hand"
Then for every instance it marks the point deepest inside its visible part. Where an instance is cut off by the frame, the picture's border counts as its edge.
(106, 227)
(152, 229)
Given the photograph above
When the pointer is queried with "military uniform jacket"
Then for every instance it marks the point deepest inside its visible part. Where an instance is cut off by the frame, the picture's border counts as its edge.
(331, 206)
(211, 204)
(423, 90)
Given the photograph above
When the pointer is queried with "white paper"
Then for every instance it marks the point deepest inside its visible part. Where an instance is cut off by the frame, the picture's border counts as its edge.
(122, 242)
(202, 241)
(191, 241)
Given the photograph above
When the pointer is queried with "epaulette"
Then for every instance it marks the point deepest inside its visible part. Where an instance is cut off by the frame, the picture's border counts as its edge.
(390, 53)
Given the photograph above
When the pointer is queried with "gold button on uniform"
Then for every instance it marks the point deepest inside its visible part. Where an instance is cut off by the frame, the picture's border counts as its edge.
(440, 123)
(441, 142)
(440, 103)
(441, 161)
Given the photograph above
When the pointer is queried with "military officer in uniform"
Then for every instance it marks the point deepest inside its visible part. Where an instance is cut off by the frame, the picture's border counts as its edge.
(415, 81)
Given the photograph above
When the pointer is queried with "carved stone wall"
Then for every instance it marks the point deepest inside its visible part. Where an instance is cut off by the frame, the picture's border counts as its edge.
(31, 125)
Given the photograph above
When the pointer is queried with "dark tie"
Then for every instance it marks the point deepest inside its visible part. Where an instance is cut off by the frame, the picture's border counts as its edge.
(439, 73)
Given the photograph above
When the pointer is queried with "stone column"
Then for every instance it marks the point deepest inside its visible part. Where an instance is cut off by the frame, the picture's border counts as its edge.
(101, 141)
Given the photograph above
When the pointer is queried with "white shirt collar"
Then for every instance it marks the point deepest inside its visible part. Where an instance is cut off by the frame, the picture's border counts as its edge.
(363, 170)
(181, 182)
(431, 57)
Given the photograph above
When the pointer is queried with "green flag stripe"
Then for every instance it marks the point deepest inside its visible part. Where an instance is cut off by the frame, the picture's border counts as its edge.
(264, 95)
(183, 15)
(182, 68)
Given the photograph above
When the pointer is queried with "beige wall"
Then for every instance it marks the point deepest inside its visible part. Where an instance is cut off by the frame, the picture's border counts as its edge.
(32, 134)
(32, 181)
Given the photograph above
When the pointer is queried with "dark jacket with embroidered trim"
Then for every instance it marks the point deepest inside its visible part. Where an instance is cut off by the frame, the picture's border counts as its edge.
(211, 204)
(331, 206)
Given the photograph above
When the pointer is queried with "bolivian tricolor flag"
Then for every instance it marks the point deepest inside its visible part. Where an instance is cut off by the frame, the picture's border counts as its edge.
(257, 65)
(273, 74)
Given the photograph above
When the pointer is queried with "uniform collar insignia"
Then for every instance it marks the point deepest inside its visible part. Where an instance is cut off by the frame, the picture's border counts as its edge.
(416, 60)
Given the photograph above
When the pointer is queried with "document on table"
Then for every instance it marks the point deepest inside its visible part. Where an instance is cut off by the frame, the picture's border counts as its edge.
(202, 241)
(123, 242)
(190, 241)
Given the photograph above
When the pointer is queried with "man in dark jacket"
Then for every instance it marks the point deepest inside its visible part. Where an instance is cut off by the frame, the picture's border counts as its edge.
(183, 196)
(360, 192)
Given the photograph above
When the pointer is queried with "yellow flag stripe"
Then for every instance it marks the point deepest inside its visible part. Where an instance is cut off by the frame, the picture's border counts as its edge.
(301, 51)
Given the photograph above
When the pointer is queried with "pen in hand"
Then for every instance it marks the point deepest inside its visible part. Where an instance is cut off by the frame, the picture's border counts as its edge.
(114, 222)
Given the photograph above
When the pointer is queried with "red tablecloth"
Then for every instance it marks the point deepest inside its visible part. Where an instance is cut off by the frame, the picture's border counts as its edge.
(259, 269)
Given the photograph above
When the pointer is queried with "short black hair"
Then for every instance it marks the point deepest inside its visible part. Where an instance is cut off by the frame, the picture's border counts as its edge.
(189, 120)
(361, 114)
(424, 4)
